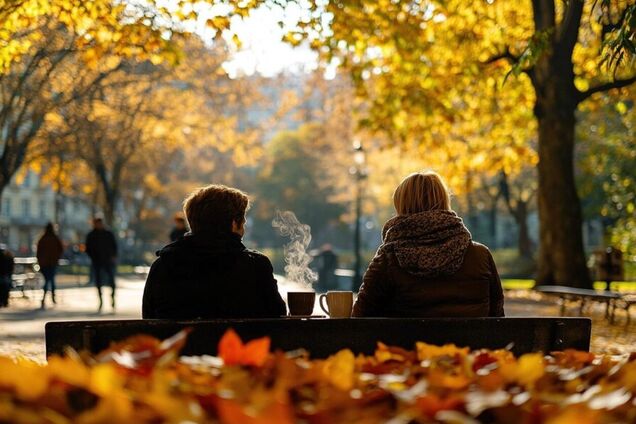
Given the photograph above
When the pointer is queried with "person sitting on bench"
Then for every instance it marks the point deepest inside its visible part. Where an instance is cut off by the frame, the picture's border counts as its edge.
(209, 273)
(428, 265)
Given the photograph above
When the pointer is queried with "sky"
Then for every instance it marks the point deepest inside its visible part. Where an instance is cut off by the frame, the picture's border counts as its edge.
(262, 50)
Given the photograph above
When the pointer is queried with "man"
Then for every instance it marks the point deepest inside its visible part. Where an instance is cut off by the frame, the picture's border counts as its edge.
(6, 271)
(101, 247)
(209, 273)
(179, 229)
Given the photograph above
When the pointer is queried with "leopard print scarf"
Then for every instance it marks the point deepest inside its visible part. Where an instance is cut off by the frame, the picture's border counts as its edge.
(427, 244)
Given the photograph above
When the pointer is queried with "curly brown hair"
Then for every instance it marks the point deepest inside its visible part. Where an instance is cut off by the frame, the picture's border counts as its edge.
(215, 207)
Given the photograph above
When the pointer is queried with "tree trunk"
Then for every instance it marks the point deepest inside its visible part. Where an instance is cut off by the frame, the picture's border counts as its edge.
(3, 184)
(561, 254)
(111, 198)
(524, 244)
(493, 222)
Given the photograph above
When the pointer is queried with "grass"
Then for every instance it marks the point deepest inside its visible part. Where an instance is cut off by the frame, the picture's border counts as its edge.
(622, 286)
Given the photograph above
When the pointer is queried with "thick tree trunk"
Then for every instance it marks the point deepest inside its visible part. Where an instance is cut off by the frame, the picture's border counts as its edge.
(561, 254)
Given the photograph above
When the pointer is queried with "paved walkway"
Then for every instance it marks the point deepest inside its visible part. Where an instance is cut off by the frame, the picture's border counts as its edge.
(22, 324)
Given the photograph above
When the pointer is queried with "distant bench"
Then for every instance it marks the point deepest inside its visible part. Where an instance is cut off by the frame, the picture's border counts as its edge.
(582, 296)
(323, 337)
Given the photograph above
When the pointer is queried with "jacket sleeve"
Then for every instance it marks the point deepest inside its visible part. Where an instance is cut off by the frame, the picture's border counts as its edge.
(60, 248)
(273, 304)
(496, 291)
(88, 244)
(148, 306)
(375, 290)
(114, 243)
(39, 251)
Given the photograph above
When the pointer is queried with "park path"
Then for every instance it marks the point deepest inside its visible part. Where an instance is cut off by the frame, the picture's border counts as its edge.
(22, 324)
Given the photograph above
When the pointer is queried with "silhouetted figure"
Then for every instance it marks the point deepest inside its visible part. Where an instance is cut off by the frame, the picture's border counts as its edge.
(180, 228)
(6, 271)
(327, 264)
(209, 273)
(101, 247)
(49, 251)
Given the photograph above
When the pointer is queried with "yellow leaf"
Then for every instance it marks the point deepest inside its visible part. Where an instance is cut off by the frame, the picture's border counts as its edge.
(339, 369)
(427, 351)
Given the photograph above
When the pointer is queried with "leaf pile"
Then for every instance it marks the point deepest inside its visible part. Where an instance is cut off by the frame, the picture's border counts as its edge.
(143, 380)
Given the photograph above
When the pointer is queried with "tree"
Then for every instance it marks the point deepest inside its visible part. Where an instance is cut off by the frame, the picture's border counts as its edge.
(518, 196)
(607, 177)
(42, 39)
(294, 178)
(420, 64)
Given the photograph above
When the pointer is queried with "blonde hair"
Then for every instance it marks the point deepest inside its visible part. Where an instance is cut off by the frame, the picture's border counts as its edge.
(214, 207)
(421, 192)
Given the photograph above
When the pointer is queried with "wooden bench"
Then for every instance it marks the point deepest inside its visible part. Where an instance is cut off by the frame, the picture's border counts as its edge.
(323, 337)
(582, 296)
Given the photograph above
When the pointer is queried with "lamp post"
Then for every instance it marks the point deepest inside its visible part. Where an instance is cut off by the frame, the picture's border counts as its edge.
(359, 172)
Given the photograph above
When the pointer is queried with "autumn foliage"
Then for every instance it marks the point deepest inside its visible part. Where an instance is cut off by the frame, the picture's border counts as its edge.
(144, 380)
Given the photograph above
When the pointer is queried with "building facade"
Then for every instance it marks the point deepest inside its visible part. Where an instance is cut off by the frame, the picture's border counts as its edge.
(28, 204)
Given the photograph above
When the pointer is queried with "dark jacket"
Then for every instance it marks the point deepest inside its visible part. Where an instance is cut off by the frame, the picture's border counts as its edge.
(211, 276)
(177, 233)
(49, 250)
(6, 263)
(101, 247)
(428, 266)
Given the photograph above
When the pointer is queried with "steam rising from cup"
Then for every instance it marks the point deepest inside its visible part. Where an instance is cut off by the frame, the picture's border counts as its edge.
(296, 257)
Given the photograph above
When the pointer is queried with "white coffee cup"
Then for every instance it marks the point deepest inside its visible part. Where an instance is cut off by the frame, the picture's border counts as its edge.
(339, 303)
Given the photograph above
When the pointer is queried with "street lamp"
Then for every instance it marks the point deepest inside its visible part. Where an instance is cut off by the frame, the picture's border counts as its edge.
(359, 172)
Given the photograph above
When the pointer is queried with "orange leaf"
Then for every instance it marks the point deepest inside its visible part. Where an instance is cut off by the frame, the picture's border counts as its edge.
(256, 351)
(231, 348)
(234, 352)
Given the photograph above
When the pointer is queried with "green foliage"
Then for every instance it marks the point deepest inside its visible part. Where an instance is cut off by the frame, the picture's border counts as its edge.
(511, 265)
(620, 45)
(294, 177)
(607, 178)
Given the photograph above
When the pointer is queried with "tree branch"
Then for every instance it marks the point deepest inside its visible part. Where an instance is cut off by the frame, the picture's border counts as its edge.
(605, 87)
(511, 58)
(568, 31)
(544, 14)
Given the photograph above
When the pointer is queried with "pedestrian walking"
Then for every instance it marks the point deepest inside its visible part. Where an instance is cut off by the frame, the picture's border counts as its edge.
(101, 247)
(179, 229)
(49, 251)
(6, 271)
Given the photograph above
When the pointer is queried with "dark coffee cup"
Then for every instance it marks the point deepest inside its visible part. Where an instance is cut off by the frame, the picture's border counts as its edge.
(301, 303)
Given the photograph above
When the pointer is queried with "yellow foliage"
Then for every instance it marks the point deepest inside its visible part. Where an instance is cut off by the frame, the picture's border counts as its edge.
(428, 351)
(339, 369)
(525, 371)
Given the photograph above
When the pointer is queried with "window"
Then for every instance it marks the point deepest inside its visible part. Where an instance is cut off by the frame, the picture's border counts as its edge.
(6, 206)
(43, 209)
(26, 207)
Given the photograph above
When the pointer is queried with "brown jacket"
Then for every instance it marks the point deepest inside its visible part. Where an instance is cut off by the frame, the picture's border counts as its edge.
(428, 266)
(49, 250)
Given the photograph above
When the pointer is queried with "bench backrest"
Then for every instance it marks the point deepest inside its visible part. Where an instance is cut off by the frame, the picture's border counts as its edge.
(323, 337)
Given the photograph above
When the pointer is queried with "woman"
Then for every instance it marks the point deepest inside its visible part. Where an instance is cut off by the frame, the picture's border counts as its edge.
(49, 252)
(428, 265)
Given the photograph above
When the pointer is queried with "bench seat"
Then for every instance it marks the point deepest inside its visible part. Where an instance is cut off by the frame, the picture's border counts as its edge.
(323, 337)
